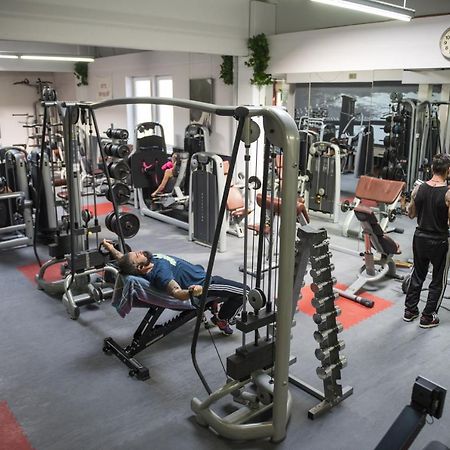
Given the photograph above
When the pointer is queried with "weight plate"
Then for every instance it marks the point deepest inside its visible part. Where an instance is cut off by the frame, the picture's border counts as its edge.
(129, 223)
(120, 192)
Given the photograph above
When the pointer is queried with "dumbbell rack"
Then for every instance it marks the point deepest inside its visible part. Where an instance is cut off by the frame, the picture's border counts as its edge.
(313, 245)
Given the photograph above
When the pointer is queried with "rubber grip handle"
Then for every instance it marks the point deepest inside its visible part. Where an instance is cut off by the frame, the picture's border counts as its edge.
(366, 302)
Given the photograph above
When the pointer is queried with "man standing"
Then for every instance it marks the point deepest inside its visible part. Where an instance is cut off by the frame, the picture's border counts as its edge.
(430, 204)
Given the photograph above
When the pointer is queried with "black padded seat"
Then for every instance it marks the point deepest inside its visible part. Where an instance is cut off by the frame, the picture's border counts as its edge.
(379, 240)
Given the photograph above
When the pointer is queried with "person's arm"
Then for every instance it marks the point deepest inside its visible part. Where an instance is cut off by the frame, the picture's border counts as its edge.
(412, 206)
(116, 254)
(447, 202)
(174, 289)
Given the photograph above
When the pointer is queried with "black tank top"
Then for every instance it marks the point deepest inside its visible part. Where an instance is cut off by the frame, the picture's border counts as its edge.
(432, 212)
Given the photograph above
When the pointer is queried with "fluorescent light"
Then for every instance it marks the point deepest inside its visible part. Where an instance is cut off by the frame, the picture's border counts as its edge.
(8, 56)
(57, 58)
(373, 7)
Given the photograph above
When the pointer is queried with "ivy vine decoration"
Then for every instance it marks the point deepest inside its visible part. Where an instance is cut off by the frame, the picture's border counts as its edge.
(259, 60)
(81, 72)
(226, 69)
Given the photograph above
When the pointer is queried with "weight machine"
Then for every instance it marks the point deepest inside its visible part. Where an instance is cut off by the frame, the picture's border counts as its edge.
(323, 188)
(16, 222)
(87, 277)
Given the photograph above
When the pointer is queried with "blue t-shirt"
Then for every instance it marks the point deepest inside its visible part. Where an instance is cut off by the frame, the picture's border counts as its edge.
(167, 268)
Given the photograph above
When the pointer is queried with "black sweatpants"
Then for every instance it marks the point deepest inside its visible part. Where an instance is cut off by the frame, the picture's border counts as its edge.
(426, 251)
(230, 291)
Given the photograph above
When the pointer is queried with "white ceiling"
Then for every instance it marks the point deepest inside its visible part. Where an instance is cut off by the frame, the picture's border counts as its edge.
(101, 27)
(302, 15)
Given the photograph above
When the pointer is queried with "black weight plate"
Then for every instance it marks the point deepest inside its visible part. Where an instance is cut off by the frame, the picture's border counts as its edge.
(129, 223)
(121, 193)
(108, 220)
(119, 170)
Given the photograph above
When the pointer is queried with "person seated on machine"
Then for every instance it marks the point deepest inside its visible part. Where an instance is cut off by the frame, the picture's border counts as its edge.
(168, 168)
(182, 279)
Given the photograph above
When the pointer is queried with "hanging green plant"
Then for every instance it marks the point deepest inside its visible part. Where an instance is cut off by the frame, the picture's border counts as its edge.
(81, 72)
(259, 59)
(226, 69)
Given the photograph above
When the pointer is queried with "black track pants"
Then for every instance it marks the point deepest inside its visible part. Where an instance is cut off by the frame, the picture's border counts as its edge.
(232, 293)
(428, 251)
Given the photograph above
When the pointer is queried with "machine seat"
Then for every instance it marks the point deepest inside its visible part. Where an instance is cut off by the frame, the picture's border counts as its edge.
(380, 241)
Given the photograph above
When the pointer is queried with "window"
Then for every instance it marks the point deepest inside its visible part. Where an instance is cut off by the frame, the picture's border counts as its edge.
(142, 87)
(161, 86)
(164, 113)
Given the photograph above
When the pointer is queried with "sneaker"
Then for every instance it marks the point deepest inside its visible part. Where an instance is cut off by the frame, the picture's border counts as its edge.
(409, 316)
(223, 325)
(429, 321)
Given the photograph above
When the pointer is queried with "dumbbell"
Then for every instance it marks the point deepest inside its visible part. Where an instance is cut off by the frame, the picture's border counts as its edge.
(320, 302)
(320, 249)
(117, 133)
(321, 318)
(116, 245)
(317, 273)
(325, 354)
(326, 372)
(323, 337)
(321, 260)
(318, 287)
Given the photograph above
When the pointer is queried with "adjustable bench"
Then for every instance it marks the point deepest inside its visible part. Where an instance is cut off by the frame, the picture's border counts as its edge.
(374, 237)
(136, 292)
(385, 193)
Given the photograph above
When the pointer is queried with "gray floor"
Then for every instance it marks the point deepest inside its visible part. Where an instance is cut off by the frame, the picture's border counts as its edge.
(67, 394)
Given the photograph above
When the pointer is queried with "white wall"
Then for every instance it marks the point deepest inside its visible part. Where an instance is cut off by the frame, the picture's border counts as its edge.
(181, 67)
(17, 99)
(388, 45)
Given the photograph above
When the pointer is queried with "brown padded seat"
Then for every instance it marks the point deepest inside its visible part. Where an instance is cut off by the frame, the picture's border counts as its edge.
(276, 202)
(371, 226)
(378, 189)
(235, 203)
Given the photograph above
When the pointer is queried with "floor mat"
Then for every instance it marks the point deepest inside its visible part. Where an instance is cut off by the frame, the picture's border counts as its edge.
(12, 436)
(352, 312)
(30, 271)
(105, 208)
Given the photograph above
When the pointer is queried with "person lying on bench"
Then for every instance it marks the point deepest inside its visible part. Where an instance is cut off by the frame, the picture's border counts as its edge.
(181, 279)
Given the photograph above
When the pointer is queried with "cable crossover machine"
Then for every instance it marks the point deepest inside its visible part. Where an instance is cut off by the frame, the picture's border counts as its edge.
(257, 375)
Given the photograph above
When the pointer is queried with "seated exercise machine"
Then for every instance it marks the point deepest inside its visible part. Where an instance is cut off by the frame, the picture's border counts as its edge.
(174, 195)
(323, 188)
(372, 270)
(146, 161)
(206, 190)
(136, 292)
(385, 193)
(16, 222)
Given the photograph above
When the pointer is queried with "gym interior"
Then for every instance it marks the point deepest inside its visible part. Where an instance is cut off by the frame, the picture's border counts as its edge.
(281, 146)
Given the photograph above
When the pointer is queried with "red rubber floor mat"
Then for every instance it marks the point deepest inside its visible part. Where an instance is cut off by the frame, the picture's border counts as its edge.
(12, 436)
(352, 312)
